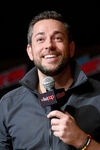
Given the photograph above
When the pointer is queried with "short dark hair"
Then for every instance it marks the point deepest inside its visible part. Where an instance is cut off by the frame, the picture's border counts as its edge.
(48, 15)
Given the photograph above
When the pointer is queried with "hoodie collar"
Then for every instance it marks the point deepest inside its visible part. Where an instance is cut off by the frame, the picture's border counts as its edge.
(78, 74)
(30, 80)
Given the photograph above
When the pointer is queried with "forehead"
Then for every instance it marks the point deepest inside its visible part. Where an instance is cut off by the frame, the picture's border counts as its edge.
(48, 25)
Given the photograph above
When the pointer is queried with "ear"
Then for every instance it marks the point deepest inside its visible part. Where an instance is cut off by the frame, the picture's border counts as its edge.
(72, 48)
(29, 52)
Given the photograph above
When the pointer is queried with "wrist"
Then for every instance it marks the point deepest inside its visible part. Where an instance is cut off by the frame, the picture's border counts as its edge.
(86, 143)
(81, 137)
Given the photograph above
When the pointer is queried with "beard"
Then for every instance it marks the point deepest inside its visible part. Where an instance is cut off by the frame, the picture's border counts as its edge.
(48, 72)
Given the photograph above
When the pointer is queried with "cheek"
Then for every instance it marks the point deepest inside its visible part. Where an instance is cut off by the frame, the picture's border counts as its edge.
(64, 50)
(37, 47)
(35, 50)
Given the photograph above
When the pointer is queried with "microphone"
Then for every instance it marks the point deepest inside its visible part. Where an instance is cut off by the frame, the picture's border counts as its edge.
(48, 83)
(48, 98)
(52, 95)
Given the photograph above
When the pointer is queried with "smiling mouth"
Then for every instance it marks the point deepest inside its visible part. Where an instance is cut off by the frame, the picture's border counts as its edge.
(50, 56)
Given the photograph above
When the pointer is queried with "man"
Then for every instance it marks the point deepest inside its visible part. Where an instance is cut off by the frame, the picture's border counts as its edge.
(24, 123)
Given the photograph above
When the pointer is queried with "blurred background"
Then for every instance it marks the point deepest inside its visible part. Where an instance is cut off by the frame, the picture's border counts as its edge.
(84, 18)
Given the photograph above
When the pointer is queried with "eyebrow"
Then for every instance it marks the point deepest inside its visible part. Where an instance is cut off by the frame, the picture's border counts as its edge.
(55, 32)
(40, 33)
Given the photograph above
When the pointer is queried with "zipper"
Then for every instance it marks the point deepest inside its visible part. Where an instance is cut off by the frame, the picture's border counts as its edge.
(50, 135)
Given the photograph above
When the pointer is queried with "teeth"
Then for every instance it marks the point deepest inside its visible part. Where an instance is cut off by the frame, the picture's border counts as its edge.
(49, 56)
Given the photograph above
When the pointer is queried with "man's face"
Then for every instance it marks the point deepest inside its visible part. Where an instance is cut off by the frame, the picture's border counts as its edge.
(50, 48)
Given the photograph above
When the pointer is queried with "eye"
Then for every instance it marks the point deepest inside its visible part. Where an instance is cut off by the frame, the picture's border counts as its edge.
(58, 38)
(40, 40)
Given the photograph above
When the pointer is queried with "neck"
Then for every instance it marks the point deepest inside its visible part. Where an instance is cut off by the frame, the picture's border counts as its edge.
(63, 80)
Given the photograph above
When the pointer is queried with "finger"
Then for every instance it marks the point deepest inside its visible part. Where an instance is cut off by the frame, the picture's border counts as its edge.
(68, 115)
(55, 128)
(54, 121)
(56, 133)
(56, 113)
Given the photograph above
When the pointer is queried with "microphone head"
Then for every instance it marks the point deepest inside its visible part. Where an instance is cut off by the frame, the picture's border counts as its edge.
(48, 83)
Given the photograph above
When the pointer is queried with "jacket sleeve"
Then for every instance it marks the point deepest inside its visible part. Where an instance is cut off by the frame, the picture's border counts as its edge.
(5, 139)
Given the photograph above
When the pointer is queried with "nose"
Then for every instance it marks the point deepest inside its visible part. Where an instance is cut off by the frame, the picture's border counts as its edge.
(49, 44)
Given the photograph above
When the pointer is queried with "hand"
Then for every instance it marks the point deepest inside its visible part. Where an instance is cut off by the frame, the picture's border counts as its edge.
(64, 126)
